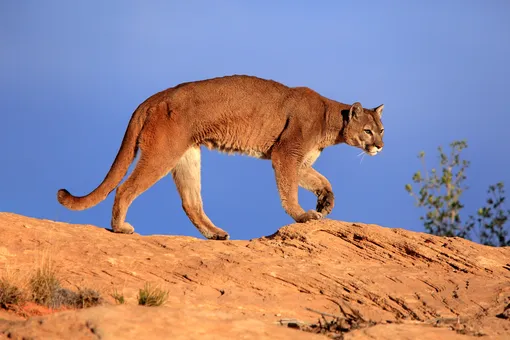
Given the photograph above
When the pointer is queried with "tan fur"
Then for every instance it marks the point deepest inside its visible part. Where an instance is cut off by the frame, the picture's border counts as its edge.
(241, 114)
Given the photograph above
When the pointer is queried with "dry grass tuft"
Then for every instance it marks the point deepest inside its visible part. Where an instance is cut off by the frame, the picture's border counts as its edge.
(45, 286)
(118, 297)
(86, 298)
(10, 295)
(152, 296)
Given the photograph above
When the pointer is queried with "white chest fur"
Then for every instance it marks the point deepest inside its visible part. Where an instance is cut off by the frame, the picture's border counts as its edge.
(310, 158)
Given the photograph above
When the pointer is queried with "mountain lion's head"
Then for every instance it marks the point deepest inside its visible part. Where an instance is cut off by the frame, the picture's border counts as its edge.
(364, 128)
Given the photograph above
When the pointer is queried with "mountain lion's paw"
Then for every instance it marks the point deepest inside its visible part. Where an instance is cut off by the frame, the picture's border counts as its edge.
(125, 229)
(220, 236)
(214, 233)
(325, 203)
(309, 216)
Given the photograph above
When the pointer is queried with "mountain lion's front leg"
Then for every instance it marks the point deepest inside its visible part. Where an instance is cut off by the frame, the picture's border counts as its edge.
(285, 165)
(311, 180)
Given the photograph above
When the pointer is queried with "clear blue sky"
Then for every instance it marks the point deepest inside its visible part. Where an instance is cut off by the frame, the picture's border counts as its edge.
(72, 72)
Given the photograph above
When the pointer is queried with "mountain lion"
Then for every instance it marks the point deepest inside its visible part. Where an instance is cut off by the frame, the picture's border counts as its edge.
(241, 114)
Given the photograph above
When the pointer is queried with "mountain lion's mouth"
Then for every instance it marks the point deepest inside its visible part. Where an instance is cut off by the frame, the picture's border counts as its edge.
(372, 150)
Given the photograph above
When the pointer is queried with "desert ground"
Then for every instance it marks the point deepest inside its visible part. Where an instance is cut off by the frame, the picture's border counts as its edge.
(322, 279)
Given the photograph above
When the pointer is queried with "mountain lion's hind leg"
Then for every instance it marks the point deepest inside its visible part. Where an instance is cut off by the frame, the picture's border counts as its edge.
(158, 157)
(186, 176)
(311, 180)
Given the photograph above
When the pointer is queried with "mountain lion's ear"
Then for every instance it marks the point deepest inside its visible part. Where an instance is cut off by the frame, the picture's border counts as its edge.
(356, 110)
(379, 109)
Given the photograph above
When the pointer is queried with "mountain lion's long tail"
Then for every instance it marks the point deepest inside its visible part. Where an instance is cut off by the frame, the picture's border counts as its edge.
(120, 166)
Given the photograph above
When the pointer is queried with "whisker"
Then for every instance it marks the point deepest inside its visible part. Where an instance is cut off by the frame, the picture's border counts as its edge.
(362, 157)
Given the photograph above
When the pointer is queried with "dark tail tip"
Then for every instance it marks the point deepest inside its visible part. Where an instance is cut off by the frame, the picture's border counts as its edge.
(63, 197)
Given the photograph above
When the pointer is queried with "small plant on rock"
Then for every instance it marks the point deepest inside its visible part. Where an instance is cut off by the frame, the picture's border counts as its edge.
(47, 290)
(152, 296)
(10, 295)
(118, 297)
(87, 297)
(45, 286)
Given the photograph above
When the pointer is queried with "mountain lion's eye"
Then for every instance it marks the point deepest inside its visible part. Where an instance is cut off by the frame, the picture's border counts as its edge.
(368, 132)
